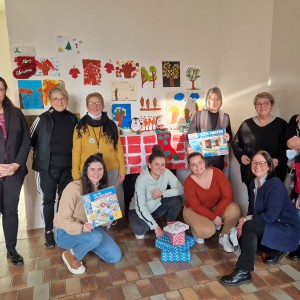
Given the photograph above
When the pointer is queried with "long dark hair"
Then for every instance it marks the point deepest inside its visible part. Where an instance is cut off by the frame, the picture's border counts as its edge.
(6, 101)
(268, 158)
(87, 186)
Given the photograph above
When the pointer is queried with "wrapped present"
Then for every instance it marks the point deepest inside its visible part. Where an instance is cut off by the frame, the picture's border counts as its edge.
(165, 244)
(177, 239)
(168, 256)
(176, 227)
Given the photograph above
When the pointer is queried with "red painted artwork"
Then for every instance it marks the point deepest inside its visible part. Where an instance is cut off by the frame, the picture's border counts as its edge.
(91, 71)
(74, 72)
(26, 67)
(45, 66)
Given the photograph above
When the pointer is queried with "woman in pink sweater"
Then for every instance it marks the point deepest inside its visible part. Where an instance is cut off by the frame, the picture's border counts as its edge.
(209, 202)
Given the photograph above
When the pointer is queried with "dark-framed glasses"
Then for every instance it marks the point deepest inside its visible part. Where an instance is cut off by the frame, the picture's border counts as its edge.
(260, 163)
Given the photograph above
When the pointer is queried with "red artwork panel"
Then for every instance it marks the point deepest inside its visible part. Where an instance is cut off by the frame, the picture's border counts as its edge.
(91, 71)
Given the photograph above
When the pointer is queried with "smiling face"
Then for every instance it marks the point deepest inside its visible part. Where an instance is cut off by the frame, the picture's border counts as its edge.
(95, 105)
(58, 101)
(197, 165)
(259, 166)
(214, 102)
(95, 172)
(263, 107)
(157, 167)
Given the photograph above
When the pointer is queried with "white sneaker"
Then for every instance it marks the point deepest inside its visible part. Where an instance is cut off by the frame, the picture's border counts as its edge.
(74, 265)
(234, 240)
(140, 237)
(224, 240)
(199, 241)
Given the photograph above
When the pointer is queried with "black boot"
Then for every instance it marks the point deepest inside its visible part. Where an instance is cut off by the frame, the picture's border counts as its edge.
(49, 239)
(15, 257)
(274, 259)
(295, 255)
(237, 277)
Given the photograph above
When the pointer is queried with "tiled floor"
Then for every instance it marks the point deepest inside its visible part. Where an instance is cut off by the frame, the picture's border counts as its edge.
(139, 275)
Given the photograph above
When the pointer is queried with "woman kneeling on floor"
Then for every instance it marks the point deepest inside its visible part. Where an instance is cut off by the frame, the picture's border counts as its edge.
(209, 202)
(73, 232)
(271, 224)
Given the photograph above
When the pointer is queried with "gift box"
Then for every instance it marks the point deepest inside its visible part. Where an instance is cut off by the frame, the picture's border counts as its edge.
(164, 243)
(175, 232)
(168, 256)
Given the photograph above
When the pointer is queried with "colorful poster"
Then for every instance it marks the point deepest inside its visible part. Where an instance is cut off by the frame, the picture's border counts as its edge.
(91, 71)
(192, 77)
(123, 91)
(171, 73)
(126, 69)
(150, 103)
(122, 114)
(209, 143)
(47, 67)
(48, 84)
(30, 94)
(102, 207)
(149, 75)
(67, 45)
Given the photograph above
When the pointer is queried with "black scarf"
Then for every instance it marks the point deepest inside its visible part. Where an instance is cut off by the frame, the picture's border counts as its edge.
(110, 129)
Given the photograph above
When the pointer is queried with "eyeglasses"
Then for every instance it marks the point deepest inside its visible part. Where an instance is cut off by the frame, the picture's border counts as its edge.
(94, 103)
(260, 163)
(62, 100)
(265, 104)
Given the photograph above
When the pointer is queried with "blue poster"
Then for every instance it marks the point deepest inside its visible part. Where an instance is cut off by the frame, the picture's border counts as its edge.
(122, 114)
(30, 94)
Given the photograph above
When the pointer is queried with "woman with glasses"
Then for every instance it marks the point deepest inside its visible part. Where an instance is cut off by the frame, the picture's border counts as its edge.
(211, 118)
(262, 132)
(96, 133)
(271, 225)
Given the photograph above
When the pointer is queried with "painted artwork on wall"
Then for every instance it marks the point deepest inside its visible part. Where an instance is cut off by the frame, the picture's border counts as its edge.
(91, 71)
(47, 67)
(122, 114)
(48, 84)
(109, 67)
(150, 103)
(149, 123)
(30, 94)
(149, 76)
(171, 73)
(193, 75)
(67, 45)
(123, 91)
(126, 69)
(74, 72)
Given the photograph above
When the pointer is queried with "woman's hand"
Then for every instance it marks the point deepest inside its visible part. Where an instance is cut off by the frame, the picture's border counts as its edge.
(156, 194)
(87, 227)
(227, 137)
(218, 221)
(159, 232)
(275, 162)
(239, 227)
(8, 169)
(121, 178)
(245, 160)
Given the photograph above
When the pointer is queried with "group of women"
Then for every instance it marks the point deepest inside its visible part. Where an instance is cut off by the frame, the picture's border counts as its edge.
(271, 225)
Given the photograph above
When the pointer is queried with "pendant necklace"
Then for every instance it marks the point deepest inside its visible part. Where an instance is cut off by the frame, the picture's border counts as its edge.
(97, 140)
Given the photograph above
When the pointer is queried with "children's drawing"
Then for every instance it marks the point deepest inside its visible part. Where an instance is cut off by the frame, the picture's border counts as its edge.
(91, 71)
(149, 76)
(149, 123)
(22, 51)
(149, 104)
(30, 94)
(126, 69)
(66, 45)
(47, 66)
(171, 73)
(136, 125)
(122, 114)
(26, 67)
(193, 74)
(123, 91)
(74, 72)
(48, 84)
(109, 67)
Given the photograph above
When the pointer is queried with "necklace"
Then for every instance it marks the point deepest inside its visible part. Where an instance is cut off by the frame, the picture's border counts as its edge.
(97, 140)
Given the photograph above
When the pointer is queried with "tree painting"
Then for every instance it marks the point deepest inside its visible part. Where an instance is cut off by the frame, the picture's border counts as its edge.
(175, 114)
(122, 114)
(171, 73)
(126, 69)
(192, 74)
(142, 102)
(146, 77)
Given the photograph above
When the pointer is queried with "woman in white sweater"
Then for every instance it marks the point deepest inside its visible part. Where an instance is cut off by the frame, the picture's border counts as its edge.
(157, 193)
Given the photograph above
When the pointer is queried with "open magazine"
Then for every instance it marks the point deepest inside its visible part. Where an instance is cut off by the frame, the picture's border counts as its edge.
(102, 207)
(209, 143)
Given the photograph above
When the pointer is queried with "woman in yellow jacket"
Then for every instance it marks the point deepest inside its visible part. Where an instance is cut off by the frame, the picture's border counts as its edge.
(96, 133)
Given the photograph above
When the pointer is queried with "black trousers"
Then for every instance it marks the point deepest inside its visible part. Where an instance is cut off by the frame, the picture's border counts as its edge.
(49, 184)
(250, 242)
(9, 198)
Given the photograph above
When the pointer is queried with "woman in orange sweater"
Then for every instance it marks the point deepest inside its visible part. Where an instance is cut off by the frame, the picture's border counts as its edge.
(209, 202)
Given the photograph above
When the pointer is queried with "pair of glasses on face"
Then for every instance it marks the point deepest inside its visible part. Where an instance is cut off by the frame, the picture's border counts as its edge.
(62, 100)
(94, 103)
(265, 104)
(258, 163)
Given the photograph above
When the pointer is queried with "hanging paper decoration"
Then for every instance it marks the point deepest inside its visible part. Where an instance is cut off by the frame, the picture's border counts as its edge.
(109, 67)
(164, 140)
(66, 45)
(74, 72)
(26, 67)
(91, 71)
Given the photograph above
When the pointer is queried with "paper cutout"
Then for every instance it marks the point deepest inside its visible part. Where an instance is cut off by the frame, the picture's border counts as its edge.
(23, 51)
(149, 104)
(126, 69)
(74, 72)
(48, 84)
(109, 67)
(171, 73)
(91, 71)
(66, 45)
(26, 67)
(149, 76)
(136, 125)
(123, 91)
(122, 114)
(47, 66)
(193, 74)
(149, 123)
(30, 94)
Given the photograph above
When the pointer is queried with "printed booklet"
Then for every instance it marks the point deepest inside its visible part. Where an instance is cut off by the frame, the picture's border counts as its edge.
(209, 143)
(102, 207)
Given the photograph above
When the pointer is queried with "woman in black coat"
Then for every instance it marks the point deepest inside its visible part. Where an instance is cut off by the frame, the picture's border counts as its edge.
(14, 149)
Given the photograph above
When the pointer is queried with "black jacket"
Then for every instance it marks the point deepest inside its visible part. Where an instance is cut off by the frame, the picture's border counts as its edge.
(16, 147)
(41, 131)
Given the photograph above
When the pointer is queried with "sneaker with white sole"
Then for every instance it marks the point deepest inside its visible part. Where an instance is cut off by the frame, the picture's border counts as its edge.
(224, 240)
(140, 237)
(234, 240)
(199, 241)
(74, 265)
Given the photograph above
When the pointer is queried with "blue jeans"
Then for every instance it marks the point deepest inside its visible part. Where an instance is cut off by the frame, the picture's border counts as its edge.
(97, 241)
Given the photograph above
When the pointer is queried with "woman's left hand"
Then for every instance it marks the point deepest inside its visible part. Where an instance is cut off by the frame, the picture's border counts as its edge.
(275, 162)
(227, 137)
(156, 194)
(121, 178)
(87, 227)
